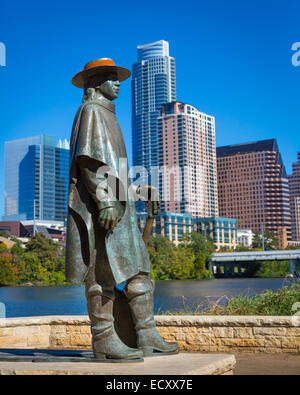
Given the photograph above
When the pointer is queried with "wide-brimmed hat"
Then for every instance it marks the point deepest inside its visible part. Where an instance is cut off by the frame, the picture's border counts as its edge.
(99, 66)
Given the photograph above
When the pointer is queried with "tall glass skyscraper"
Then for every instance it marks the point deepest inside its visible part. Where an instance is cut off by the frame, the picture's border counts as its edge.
(153, 83)
(36, 171)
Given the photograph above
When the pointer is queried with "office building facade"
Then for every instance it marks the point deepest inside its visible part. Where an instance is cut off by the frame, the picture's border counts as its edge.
(187, 161)
(153, 83)
(170, 225)
(253, 186)
(245, 237)
(294, 186)
(221, 230)
(175, 226)
(36, 179)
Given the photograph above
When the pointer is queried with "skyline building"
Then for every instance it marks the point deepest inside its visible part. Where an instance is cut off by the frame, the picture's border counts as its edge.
(294, 185)
(253, 186)
(187, 161)
(36, 179)
(153, 83)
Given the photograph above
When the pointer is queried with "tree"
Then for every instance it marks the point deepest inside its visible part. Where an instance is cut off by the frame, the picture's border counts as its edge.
(270, 240)
(8, 272)
(200, 270)
(199, 244)
(45, 249)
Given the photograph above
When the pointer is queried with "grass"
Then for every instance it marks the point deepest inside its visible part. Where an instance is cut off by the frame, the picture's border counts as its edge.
(270, 303)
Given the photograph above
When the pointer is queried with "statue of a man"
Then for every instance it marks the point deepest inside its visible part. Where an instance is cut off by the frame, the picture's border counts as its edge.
(104, 245)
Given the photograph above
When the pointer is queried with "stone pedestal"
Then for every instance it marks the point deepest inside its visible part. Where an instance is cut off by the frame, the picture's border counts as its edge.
(180, 364)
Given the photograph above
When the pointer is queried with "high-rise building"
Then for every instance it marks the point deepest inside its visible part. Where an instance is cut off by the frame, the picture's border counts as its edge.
(253, 186)
(187, 161)
(294, 185)
(36, 179)
(153, 83)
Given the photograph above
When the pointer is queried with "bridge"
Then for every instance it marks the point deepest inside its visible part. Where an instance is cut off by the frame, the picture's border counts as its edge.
(231, 262)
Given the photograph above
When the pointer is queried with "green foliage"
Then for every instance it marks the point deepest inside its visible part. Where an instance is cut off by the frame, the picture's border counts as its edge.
(8, 272)
(3, 246)
(269, 303)
(45, 249)
(273, 269)
(270, 239)
(41, 261)
(177, 263)
(4, 234)
(199, 244)
(200, 270)
(242, 248)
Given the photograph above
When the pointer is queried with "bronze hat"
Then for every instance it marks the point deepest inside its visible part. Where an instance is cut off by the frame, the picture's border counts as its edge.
(99, 66)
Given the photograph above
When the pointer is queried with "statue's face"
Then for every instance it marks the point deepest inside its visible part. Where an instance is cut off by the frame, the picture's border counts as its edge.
(110, 86)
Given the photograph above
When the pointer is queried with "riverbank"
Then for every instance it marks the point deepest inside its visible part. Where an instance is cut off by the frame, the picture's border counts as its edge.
(279, 303)
(182, 297)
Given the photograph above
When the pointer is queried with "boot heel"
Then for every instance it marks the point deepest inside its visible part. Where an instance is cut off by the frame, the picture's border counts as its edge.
(98, 355)
(147, 351)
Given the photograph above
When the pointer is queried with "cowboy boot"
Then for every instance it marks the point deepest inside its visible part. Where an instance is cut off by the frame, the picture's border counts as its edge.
(139, 292)
(105, 341)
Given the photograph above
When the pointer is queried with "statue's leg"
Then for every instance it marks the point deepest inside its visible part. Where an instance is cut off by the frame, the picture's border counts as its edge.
(100, 297)
(105, 341)
(139, 292)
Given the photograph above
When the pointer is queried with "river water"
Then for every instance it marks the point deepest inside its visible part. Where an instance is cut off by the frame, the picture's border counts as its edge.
(169, 296)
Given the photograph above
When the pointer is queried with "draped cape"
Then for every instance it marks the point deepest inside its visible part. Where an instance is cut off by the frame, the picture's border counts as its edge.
(96, 136)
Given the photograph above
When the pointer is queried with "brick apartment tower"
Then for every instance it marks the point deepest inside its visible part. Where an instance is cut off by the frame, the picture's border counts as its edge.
(253, 186)
(294, 185)
(187, 161)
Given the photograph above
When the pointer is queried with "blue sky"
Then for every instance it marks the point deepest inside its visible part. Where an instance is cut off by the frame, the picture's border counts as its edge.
(233, 61)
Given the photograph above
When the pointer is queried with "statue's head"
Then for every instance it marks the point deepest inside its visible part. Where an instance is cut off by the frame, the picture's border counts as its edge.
(103, 76)
(107, 84)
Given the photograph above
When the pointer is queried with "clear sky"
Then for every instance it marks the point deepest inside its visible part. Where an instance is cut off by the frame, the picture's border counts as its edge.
(233, 61)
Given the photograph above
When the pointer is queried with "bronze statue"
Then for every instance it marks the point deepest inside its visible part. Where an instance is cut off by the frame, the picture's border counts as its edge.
(104, 245)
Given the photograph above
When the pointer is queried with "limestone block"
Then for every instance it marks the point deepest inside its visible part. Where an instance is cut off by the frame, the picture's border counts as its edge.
(198, 339)
(295, 332)
(61, 340)
(26, 330)
(244, 342)
(58, 329)
(273, 342)
(38, 340)
(80, 340)
(223, 332)
(242, 332)
(13, 341)
(45, 329)
(6, 332)
(269, 332)
(85, 329)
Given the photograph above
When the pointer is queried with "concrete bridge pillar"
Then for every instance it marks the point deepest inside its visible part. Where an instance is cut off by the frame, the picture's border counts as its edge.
(291, 267)
(225, 270)
(297, 267)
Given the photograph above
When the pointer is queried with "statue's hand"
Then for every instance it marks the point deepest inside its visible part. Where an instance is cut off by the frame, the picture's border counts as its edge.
(150, 194)
(153, 208)
(109, 217)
